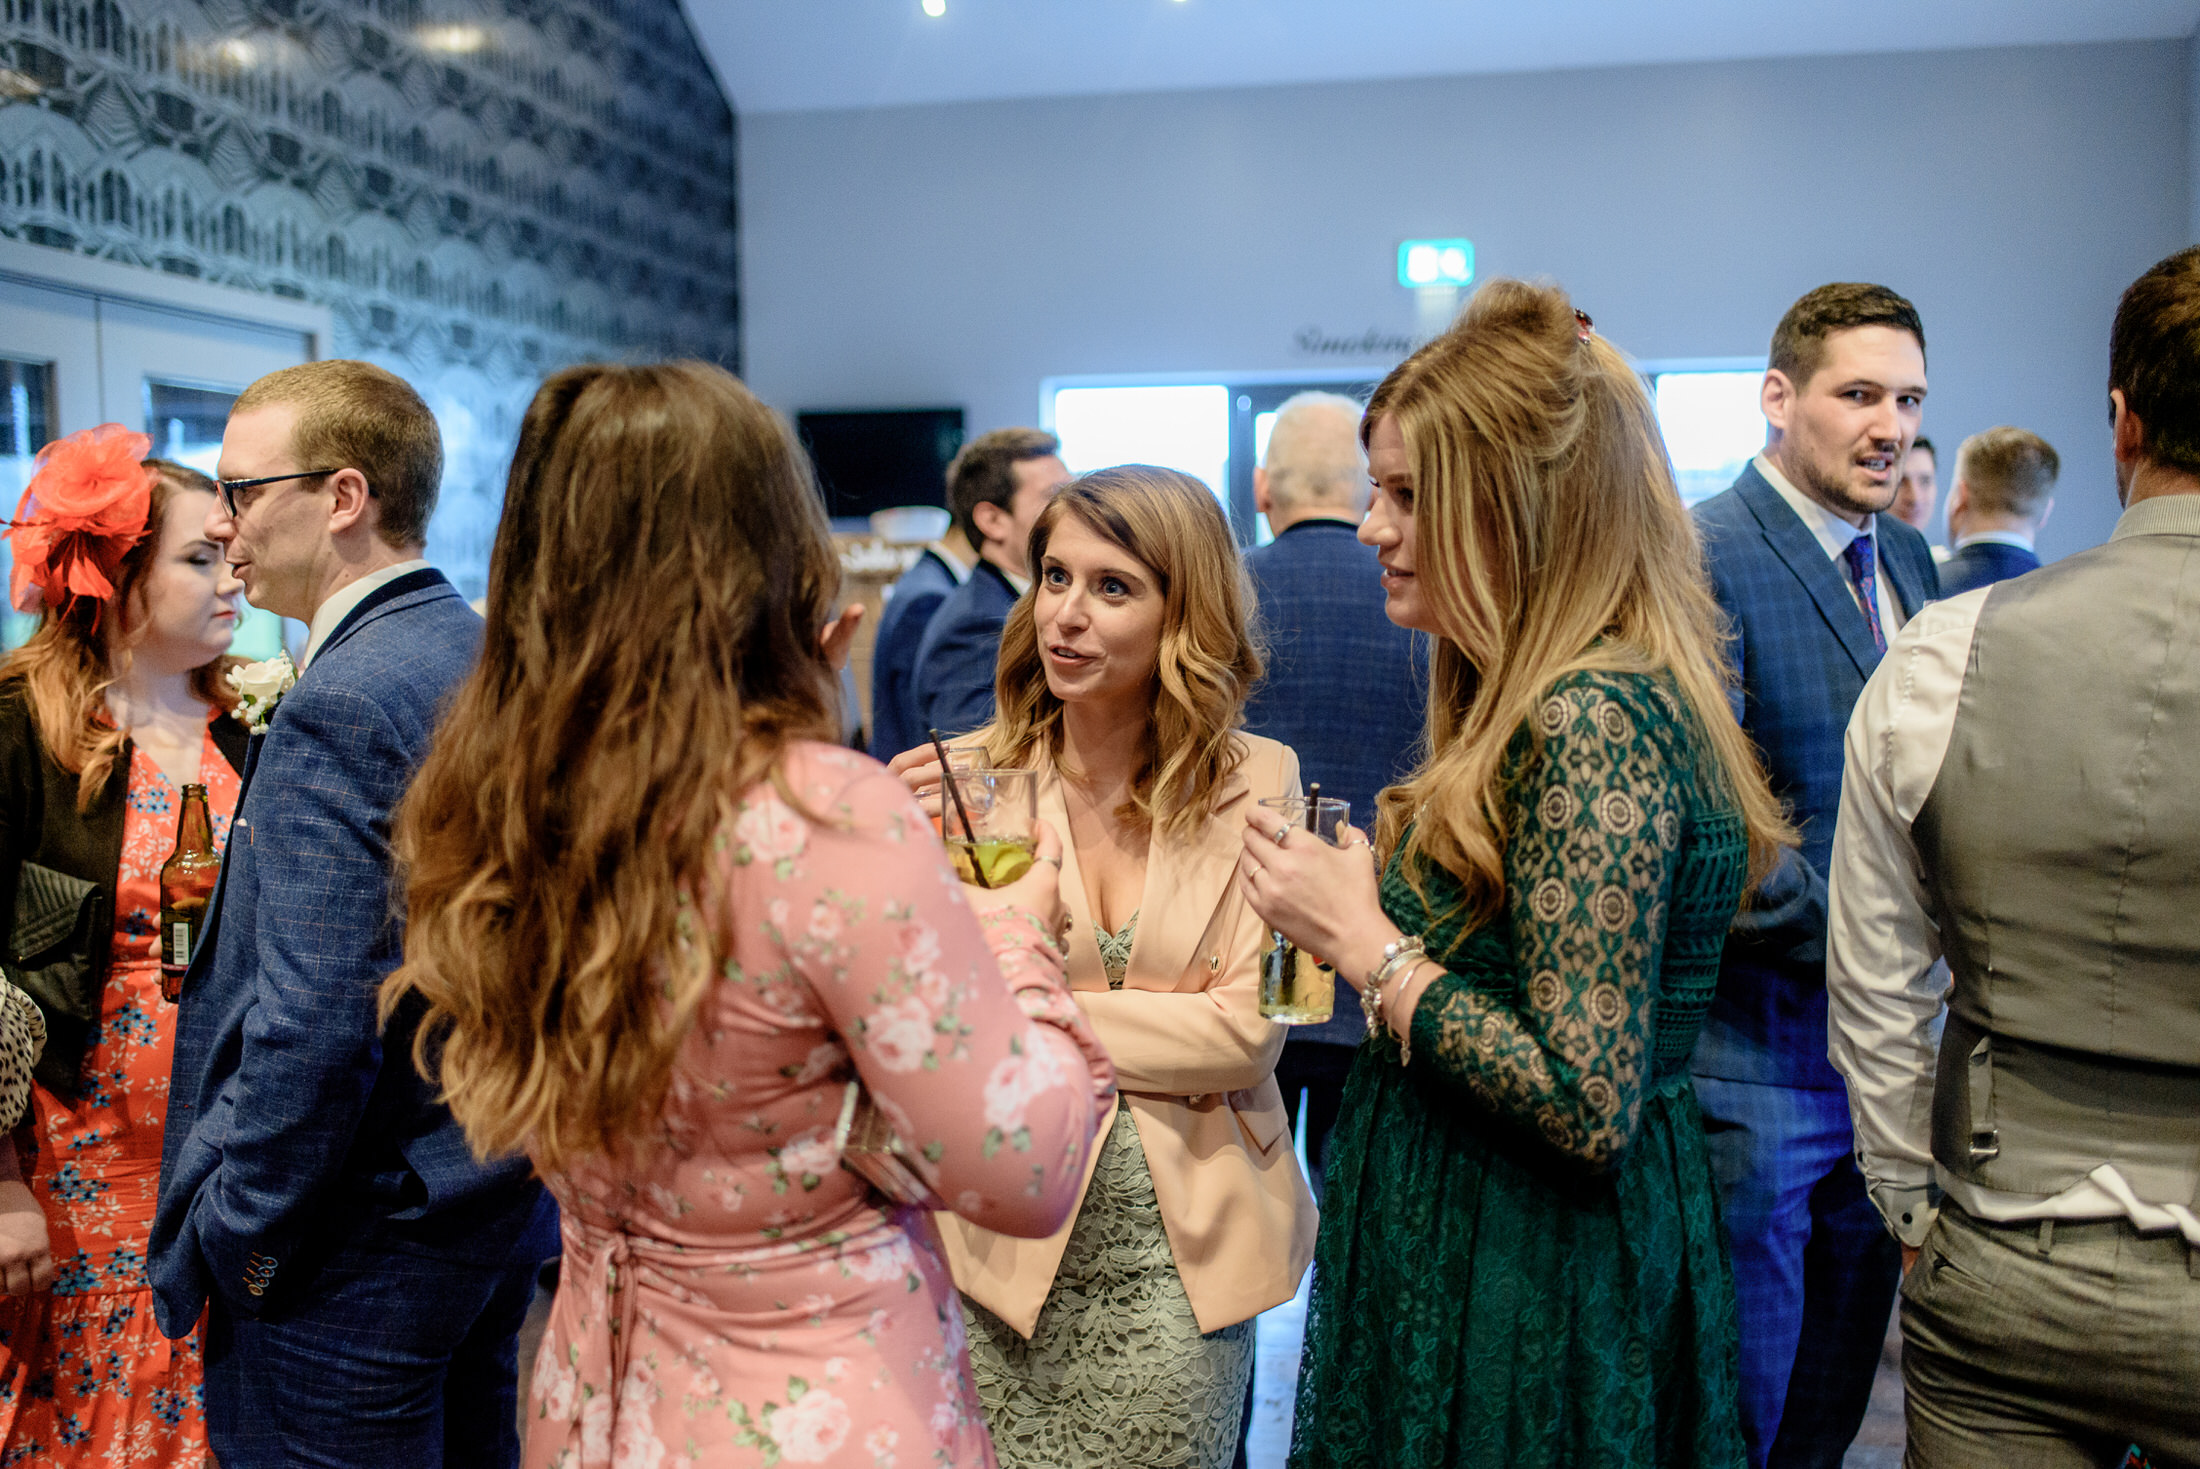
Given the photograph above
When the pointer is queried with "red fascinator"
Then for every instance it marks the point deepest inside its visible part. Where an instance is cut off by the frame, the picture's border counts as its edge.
(79, 516)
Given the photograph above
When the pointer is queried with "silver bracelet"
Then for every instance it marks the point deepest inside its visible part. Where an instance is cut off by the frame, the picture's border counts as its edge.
(1400, 952)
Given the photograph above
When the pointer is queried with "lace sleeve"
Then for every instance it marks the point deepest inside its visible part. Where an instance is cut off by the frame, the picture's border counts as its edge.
(1595, 832)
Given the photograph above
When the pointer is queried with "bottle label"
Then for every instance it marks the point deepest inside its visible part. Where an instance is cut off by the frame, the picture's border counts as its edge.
(179, 944)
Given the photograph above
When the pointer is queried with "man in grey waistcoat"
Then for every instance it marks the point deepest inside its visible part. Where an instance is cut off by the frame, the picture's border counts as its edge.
(2022, 793)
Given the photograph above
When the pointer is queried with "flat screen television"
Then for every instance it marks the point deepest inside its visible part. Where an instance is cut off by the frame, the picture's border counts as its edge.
(876, 459)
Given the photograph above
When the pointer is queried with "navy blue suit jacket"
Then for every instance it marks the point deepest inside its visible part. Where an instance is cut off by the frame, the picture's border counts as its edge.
(896, 723)
(1799, 655)
(1982, 563)
(294, 1123)
(960, 654)
(1346, 687)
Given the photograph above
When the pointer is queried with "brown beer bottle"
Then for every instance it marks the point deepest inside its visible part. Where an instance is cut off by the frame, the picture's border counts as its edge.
(186, 887)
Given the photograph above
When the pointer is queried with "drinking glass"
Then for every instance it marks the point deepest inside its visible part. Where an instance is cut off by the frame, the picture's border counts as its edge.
(990, 820)
(1296, 988)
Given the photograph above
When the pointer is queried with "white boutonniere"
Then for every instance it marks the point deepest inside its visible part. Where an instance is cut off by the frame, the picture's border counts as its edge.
(260, 687)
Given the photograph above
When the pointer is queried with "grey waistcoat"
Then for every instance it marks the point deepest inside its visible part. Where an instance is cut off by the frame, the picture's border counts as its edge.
(2061, 844)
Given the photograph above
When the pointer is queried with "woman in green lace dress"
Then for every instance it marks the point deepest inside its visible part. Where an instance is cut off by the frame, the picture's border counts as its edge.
(1521, 1261)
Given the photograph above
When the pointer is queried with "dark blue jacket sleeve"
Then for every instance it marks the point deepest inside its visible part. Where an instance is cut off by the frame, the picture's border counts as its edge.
(955, 680)
(326, 937)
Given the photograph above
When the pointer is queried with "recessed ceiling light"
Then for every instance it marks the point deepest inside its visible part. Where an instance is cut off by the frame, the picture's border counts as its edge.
(935, 8)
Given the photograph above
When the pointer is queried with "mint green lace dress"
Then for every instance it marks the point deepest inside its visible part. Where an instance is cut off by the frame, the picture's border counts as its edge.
(1117, 1374)
(1521, 1261)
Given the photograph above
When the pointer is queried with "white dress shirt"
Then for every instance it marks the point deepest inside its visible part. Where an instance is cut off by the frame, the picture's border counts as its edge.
(332, 612)
(1886, 994)
(2015, 538)
(1834, 534)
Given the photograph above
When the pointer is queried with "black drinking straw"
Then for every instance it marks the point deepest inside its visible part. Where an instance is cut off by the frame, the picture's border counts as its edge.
(1313, 807)
(947, 779)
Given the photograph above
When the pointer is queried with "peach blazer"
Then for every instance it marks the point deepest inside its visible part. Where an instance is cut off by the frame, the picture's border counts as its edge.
(1196, 1064)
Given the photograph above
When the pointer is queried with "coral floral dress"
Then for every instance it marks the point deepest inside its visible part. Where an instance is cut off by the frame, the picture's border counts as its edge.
(85, 1375)
(739, 1300)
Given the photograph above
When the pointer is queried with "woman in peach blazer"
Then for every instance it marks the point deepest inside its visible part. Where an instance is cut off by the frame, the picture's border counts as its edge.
(1126, 1338)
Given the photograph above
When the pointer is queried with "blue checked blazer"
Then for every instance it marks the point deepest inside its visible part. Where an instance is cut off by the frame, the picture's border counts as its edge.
(1799, 655)
(896, 723)
(960, 655)
(1346, 687)
(293, 1124)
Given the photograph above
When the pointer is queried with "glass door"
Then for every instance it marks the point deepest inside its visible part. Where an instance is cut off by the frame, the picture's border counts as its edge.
(77, 359)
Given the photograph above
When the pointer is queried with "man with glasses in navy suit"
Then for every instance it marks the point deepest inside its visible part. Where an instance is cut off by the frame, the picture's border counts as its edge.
(1814, 579)
(362, 1275)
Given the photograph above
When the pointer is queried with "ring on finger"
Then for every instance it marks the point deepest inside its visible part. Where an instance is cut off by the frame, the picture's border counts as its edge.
(1282, 832)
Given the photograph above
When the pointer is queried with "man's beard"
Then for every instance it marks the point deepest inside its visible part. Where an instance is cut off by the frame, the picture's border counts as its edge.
(1838, 493)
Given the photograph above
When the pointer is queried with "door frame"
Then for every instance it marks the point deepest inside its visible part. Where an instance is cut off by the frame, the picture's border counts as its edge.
(72, 274)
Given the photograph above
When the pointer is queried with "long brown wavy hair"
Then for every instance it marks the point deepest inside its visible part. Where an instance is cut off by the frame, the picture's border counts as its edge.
(661, 572)
(1550, 538)
(1210, 657)
(79, 649)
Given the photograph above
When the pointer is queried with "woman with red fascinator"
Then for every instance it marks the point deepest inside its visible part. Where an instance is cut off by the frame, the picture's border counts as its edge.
(116, 703)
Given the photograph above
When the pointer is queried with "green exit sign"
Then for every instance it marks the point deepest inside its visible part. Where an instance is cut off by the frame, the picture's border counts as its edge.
(1435, 262)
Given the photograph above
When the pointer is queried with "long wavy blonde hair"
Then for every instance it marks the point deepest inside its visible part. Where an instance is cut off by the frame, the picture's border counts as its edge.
(660, 574)
(1210, 658)
(79, 649)
(1550, 538)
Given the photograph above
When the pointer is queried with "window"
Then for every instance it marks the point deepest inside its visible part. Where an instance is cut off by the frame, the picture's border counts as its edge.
(1712, 425)
(1180, 426)
(26, 426)
(1216, 431)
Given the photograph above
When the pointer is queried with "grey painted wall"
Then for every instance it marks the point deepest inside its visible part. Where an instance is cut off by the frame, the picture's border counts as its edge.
(958, 254)
(480, 190)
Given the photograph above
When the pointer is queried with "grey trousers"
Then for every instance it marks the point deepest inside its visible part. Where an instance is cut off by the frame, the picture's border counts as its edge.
(2024, 1351)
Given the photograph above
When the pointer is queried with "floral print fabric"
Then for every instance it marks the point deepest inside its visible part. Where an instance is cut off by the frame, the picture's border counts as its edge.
(85, 1375)
(737, 1298)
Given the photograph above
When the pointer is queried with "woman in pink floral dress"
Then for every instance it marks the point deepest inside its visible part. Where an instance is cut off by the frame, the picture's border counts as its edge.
(660, 929)
(114, 705)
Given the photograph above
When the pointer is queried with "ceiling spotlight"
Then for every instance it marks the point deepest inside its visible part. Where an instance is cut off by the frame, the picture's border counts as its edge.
(457, 39)
(935, 8)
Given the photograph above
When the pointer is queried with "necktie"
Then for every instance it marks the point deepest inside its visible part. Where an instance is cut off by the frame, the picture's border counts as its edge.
(1864, 571)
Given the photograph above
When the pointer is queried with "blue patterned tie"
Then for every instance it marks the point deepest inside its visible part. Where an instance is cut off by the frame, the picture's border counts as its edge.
(1864, 571)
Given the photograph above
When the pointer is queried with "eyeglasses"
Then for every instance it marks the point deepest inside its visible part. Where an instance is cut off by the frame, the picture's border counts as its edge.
(229, 487)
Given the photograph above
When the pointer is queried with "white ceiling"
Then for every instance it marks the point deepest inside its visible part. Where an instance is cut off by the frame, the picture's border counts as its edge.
(799, 55)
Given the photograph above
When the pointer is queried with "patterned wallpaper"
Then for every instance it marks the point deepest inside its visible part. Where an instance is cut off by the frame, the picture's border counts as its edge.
(480, 190)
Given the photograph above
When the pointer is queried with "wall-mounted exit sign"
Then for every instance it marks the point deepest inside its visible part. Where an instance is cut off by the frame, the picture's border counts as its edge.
(1435, 262)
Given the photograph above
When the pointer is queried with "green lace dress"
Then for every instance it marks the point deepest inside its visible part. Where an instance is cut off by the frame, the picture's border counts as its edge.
(1521, 1261)
(1117, 1374)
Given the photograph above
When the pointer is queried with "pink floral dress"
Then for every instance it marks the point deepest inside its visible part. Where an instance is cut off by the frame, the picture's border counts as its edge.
(85, 1375)
(738, 1298)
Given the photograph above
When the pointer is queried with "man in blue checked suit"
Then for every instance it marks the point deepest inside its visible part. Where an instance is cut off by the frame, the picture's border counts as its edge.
(1346, 687)
(363, 1276)
(939, 569)
(1813, 579)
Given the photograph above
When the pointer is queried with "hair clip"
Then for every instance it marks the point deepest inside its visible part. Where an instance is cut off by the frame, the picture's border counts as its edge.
(1583, 326)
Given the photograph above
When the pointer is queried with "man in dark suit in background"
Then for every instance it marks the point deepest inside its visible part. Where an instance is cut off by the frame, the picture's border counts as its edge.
(911, 602)
(996, 486)
(366, 1276)
(1813, 579)
(2005, 487)
(1345, 688)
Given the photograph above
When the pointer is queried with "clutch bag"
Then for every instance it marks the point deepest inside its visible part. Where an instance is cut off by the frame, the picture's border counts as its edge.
(874, 1152)
(57, 954)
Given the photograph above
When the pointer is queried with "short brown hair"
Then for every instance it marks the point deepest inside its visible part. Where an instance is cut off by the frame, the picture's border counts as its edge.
(1799, 341)
(984, 473)
(2154, 359)
(2009, 471)
(354, 415)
